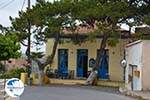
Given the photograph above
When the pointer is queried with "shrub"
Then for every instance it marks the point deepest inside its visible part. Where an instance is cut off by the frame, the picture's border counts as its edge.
(13, 73)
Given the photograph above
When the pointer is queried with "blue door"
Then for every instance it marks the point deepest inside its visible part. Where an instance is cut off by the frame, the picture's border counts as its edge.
(103, 70)
(62, 62)
(82, 61)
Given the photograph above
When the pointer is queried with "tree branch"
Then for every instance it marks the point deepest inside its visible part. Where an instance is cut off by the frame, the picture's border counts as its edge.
(50, 58)
(100, 53)
(22, 42)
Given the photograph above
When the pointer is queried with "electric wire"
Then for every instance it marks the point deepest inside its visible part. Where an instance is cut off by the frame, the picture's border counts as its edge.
(1, 3)
(23, 5)
(7, 4)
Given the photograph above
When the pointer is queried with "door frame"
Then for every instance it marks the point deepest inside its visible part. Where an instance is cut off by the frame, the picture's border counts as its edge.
(77, 65)
(58, 68)
(133, 85)
(103, 69)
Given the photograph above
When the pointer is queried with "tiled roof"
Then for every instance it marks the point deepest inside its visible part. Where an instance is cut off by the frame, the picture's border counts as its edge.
(79, 29)
(84, 30)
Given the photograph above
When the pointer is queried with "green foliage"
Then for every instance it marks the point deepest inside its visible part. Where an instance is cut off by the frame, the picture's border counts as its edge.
(104, 16)
(97, 10)
(46, 19)
(14, 73)
(9, 47)
(77, 39)
(91, 37)
(49, 19)
(112, 42)
(140, 37)
(147, 20)
(1, 67)
(37, 54)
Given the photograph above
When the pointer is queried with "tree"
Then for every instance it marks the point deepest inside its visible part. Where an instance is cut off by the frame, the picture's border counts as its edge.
(46, 20)
(104, 16)
(49, 19)
(116, 12)
(9, 45)
(141, 17)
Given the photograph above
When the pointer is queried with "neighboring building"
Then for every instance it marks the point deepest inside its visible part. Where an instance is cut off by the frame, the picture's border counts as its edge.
(15, 63)
(78, 58)
(138, 65)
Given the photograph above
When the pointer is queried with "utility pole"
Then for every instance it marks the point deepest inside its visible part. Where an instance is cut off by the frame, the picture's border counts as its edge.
(4, 78)
(29, 42)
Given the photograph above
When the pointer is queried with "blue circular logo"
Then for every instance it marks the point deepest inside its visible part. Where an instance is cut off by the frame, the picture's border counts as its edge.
(14, 87)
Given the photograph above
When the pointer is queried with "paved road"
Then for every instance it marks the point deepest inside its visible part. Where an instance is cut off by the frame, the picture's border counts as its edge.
(69, 93)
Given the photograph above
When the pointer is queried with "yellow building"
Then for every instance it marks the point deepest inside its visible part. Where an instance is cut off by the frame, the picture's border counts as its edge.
(78, 58)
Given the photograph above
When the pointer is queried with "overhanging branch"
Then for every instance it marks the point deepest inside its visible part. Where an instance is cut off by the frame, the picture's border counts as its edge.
(49, 59)
(22, 42)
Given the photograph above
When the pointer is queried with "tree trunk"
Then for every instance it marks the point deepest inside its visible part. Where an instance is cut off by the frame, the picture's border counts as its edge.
(48, 61)
(95, 68)
(28, 57)
(51, 57)
(41, 77)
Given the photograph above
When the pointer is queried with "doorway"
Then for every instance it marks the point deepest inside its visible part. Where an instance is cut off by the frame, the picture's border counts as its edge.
(62, 61)
(104, 65)
(133, 79)
(82, 62)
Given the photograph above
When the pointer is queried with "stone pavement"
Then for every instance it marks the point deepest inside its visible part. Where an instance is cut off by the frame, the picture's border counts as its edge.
(140, 94)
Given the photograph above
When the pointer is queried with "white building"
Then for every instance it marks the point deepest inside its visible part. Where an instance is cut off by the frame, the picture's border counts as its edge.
(138, 65)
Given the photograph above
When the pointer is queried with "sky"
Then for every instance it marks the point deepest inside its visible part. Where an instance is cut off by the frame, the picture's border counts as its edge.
(11, 8)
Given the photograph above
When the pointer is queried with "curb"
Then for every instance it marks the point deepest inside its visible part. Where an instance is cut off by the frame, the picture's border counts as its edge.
(138, 97)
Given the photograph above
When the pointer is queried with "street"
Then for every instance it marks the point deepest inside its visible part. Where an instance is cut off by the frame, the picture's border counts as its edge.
(70, 93)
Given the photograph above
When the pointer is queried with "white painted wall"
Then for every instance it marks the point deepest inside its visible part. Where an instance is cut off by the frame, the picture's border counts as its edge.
(134, 57)
(146, 65)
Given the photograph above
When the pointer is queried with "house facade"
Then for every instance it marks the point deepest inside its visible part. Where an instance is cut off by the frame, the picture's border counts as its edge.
(138, 69)
(79, 58)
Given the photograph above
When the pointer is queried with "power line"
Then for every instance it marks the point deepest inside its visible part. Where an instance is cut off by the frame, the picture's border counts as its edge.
(1, 3)
(23, 4)
(7, 4)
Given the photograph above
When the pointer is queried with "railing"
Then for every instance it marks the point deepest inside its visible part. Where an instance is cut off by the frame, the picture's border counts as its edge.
(63, 74)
